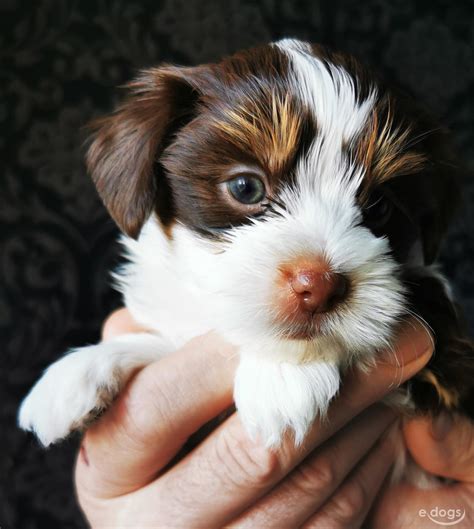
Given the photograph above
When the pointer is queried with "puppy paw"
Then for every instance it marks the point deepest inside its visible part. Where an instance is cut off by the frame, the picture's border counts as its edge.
(75, 389)
(67, 395)
(274, 398)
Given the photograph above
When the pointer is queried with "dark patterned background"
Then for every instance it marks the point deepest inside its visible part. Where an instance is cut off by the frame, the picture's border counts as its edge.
(59, 64)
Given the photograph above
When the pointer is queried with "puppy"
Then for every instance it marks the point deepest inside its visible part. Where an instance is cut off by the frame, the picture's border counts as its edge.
(288, 199)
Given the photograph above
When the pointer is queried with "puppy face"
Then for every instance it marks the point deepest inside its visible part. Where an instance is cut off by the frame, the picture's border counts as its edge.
(294, 189)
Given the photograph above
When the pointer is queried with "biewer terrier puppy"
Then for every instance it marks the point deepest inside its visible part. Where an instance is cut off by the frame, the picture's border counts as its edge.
(288, 199)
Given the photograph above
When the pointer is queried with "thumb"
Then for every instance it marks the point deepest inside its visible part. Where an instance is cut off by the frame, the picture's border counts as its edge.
(118, 323)
(443, 445)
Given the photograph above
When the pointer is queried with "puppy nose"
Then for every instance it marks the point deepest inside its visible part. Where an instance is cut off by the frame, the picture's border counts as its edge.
(317, 291)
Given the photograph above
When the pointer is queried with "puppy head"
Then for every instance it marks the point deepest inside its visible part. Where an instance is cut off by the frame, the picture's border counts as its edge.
(294, 187)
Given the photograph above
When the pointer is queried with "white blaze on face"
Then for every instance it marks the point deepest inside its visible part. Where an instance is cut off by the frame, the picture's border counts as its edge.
(329, 91)
(321, 218)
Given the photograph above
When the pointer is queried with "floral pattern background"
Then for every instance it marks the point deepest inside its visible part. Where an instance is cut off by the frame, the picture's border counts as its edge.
(60, 64)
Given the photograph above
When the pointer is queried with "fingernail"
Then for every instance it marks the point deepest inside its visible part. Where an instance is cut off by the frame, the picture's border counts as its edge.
(413, 341)
(441, 426)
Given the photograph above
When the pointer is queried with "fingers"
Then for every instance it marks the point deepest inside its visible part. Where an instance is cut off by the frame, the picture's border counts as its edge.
(159, 409)
(443, 446)
(348, 507)
(312, 482)
(235, 471)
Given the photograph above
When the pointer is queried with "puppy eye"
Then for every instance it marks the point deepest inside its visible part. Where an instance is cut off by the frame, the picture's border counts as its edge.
(378, 212)
(246, 189)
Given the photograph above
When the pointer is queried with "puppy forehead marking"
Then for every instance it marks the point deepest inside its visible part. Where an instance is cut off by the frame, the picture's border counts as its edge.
(329, 91)
(288, 98)
(312, 120)
(358, 143)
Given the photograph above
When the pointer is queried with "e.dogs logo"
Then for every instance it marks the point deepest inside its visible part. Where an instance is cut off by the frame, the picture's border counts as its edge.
(443, 516)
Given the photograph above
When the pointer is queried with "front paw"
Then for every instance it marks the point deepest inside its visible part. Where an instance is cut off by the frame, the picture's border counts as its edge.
(273, 398)
(69, 394)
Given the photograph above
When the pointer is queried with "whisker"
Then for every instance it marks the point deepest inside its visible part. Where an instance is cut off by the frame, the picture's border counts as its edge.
(425, 325)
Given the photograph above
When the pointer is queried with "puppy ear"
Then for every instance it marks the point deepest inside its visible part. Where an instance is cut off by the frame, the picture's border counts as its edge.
(126, 146)
(447, 382)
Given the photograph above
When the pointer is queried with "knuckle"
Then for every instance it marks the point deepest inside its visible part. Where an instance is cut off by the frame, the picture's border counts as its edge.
(350, 504)
(315, 478)
(243, 463)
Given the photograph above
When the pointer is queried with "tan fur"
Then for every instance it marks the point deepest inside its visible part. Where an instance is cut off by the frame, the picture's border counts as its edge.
(272, 131)
(449, 397)
(384, 150)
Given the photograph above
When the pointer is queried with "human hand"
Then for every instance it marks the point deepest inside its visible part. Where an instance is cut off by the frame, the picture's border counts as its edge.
(127, 474)
(444, 447)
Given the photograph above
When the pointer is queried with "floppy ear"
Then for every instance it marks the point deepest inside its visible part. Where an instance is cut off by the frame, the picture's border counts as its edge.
(126, 146)
(448, 379)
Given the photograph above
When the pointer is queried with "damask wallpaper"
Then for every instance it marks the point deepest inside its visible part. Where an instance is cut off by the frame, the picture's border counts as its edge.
(60, 64)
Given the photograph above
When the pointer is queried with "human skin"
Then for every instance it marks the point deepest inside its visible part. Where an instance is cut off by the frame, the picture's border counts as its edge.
(128, 475)
(444, 447)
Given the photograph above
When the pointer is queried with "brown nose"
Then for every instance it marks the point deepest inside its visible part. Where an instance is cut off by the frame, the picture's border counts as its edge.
(317, 291)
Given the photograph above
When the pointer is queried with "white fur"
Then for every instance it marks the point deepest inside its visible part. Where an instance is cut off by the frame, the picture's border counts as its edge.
(273, 397)
(185, 285)
(84, 382)
(329, 91)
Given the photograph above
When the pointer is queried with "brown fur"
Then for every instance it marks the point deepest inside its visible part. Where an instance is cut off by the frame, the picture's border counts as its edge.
(383, 149)
(126, 145)
(270, 128)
